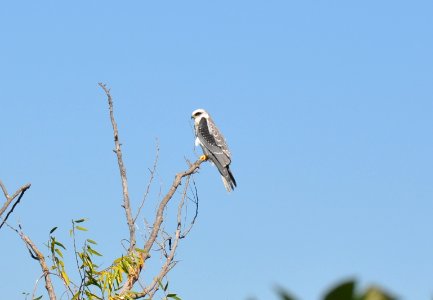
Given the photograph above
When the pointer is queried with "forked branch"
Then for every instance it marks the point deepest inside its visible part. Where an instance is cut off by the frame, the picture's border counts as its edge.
(134, 275)
(132, 279)
(9, 199)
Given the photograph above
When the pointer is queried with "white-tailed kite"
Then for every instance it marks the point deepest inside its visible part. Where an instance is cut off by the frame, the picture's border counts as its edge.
(214, 146)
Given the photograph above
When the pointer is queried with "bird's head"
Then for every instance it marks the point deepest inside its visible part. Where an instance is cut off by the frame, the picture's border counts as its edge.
(198, 114)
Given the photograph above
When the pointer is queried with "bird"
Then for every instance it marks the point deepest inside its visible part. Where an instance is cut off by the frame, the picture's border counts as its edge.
(214, 146)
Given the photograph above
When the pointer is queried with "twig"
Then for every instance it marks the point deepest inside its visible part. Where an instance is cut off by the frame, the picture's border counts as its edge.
(162, 246)
(5, 192)
(169, 263)
(151, 289)
(10, 199)
(21, 190)
(118, 151)
(12, 209)
(36, 286)
(132, 278)
(152, 175)
(76, 259)
(182, 201)
(195, 195)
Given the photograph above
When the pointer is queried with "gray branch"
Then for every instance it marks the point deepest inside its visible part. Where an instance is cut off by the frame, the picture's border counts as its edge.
(134, 276)
(36, 254)
(118, 151)
(10, 199)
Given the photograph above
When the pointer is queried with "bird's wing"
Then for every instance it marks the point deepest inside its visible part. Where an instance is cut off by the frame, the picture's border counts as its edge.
(219, 138)
(213, 141)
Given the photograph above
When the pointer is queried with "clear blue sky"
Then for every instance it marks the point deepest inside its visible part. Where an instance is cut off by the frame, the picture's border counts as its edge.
(327, 107)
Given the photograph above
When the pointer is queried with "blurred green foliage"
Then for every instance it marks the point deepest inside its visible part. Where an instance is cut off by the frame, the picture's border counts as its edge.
(346, 291)
(96, 283)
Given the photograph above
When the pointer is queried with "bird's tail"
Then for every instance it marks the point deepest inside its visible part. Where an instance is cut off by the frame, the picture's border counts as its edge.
(229, 181)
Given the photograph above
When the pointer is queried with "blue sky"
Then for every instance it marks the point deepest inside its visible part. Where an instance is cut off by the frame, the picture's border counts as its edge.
(327, 107)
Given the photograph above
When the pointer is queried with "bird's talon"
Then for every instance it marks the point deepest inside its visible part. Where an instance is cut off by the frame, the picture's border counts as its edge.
(203, 157)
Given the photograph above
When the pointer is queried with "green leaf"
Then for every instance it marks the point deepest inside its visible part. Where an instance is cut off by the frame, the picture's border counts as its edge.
(91, 242)
(284, 295)
(94, 252)
(118, 260)
(53, 240)
(65, 277)
(166, 287)
(59, 252)
(79, 221)
(126, 266)
(160, 284)
(344, 291)
(81, 228)
(38, 298)
(173, 296)
(76, 296)
(52, 230)
(91, 295)
(59, 244)
(375, 293)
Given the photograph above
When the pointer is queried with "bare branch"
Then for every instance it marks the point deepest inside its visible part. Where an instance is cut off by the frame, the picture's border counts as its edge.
(152, 175)
(172, 245)
(5, 192)
(118, 151)
(195, 195)
(157, 225)
(36, 286)
(35, 253)
(152, 288)
(21, 190)
(10, 199)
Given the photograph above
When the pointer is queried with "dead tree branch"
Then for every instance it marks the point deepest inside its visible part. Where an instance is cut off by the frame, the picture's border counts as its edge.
(169, 263)
(118, 151)
(155, 230)
(36, 254)
(5, 192)
(10, 199)
(132, 279)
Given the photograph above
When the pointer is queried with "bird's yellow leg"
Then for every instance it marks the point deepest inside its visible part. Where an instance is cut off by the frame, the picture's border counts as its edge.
(204, 157)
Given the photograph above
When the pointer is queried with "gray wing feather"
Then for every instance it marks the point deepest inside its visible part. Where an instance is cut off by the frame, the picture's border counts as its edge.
(213, 142)
(219, 138)
(215, 146)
